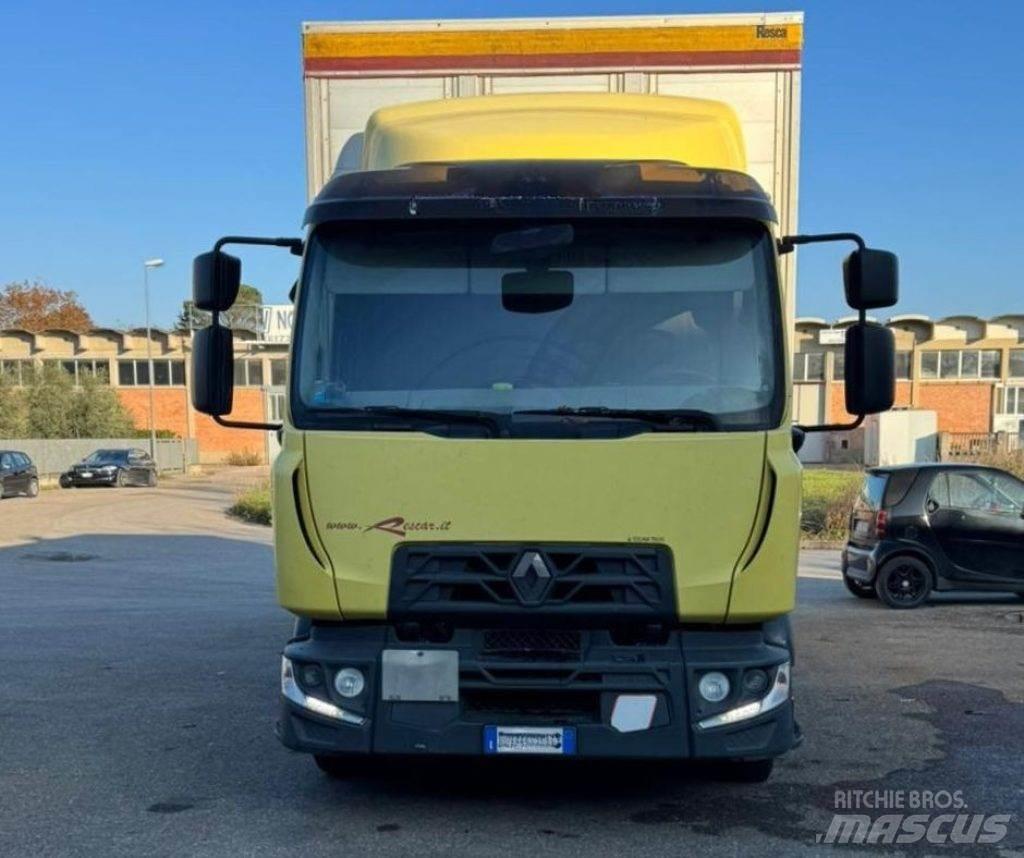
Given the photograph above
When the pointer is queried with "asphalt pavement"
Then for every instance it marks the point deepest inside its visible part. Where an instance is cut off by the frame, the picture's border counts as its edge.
(139, 644)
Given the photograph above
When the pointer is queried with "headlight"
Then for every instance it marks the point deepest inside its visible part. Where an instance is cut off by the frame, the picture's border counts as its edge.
(290, 689)
(778, 695)
(714, 686)
(349, 682)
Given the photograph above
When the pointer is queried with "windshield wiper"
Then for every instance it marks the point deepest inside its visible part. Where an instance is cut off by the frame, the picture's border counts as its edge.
(430, 415)
(667, 419)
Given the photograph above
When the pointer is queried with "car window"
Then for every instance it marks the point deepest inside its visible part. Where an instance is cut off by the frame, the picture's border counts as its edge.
(899, 484)
(938, 492)
(24, 460)
(872, 491)
(6, 462)
(967, 490)
(1008, 494)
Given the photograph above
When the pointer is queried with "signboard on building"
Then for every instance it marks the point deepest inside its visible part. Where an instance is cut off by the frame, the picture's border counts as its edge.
(832, 336)
(276, 324)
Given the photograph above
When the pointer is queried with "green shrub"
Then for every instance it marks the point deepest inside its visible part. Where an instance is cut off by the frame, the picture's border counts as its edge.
(253, 505)
(829, 496)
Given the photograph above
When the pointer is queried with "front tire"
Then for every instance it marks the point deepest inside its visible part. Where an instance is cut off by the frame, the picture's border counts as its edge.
(64, 481)
(904, 582)
(151, 479)
(859, 588)
(33, 488)
(120, 480)
(339, 767)
(745, 771)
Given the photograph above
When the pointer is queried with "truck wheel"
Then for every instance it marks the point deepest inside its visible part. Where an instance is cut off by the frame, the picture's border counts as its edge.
(745, 771)
(342, 766)
(859, 588)
(904, 582)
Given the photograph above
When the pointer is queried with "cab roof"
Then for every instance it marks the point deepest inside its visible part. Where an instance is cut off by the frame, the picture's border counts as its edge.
(542, 188)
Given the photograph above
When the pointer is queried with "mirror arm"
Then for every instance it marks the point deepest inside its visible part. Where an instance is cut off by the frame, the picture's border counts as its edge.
(787, 243)
(245, 424)
(294, 245)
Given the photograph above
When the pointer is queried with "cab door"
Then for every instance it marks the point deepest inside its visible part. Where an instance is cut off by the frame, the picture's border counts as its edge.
(8, 475)
(975, 517)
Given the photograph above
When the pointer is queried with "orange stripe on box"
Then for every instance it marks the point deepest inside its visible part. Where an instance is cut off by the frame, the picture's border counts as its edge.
(315, 66)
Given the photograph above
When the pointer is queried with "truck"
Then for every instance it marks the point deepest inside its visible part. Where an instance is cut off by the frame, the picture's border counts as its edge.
(537, 491)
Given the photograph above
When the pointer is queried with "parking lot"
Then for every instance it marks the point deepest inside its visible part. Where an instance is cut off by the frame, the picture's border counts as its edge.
(139, 641)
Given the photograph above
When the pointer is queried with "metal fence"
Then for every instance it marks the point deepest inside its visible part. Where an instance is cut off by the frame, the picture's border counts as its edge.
(53, 456)
(970, 445)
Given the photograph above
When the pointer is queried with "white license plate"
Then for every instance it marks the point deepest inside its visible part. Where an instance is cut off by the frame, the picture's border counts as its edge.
(530, 740)
(86, 474)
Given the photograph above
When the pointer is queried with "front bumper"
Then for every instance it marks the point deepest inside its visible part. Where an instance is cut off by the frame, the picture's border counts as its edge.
(534, 689)
(96, 478)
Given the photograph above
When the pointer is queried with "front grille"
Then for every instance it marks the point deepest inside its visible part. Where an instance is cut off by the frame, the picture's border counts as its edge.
(527, 644)
(603, 582)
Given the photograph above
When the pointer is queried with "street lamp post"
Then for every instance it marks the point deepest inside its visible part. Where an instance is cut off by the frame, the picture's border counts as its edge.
(150, 263)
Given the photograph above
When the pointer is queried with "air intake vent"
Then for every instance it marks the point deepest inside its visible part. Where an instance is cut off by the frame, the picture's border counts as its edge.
(617, 583)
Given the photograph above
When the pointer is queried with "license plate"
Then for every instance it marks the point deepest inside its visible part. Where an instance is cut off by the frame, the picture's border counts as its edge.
(530, 740)
(86, 474)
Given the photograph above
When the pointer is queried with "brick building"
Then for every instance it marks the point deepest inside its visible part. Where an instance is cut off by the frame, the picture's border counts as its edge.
(970, 371)
(119, 358)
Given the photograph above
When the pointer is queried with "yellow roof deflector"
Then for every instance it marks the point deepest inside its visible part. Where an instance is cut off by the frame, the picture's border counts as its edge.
(556, 126)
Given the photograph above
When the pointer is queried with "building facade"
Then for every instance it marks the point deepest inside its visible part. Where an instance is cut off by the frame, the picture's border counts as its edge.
(968, 370)
(120, 359)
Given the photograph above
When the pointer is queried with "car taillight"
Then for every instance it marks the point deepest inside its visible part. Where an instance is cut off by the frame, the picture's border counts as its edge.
(881, 520)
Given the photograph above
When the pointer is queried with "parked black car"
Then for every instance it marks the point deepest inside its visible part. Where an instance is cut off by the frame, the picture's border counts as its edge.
(112, 468)
(18, 476)
(918, 528)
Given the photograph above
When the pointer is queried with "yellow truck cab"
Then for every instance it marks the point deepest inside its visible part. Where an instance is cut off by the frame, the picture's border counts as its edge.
(537, 490)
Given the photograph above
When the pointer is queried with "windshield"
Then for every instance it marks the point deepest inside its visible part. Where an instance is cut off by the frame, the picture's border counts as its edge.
(106, 457)
(504, 317)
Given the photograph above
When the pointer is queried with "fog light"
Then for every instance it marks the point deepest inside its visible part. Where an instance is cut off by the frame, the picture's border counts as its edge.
(755, 682)
(349, 682)
(714, 686)
(311, 675)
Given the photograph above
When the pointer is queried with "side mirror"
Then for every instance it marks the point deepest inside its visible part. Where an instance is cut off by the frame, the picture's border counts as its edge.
(871, 279)
(870, 368)
(213, 369)
(216, 278)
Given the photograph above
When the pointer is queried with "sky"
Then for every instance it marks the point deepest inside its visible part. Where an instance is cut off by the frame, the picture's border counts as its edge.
(139, 130)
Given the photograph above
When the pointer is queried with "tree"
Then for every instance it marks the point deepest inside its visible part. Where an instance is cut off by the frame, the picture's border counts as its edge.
(245, 315)
(36, 307)
(54, 408)
(97, 411)
(48, 399)
(13, 413)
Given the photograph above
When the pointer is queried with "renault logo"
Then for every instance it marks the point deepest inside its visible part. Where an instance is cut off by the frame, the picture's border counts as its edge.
(531, 577)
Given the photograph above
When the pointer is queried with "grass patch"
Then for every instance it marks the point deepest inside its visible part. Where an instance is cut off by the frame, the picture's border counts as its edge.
(253, 505)
(828, 499)
(243, 458)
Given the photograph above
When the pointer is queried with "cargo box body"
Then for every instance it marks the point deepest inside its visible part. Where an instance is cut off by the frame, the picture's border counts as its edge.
(751, 62)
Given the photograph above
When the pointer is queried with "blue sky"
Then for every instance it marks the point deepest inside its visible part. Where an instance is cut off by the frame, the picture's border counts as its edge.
(134, 130)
